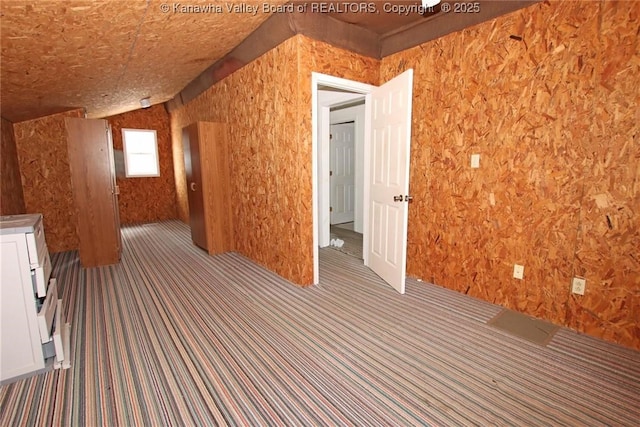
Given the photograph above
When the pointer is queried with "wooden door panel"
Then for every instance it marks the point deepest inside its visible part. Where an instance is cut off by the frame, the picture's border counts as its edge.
(92, 181)
(197, 219)
(216, 186)
(208, 186)
(114, 185)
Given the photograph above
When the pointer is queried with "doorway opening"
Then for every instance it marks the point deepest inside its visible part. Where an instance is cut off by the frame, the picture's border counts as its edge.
(346, 177)
(347, 100)
(385, 123)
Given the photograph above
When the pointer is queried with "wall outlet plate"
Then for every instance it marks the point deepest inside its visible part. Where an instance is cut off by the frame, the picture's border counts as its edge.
(518, 271)
(475, 161)
(578, 285)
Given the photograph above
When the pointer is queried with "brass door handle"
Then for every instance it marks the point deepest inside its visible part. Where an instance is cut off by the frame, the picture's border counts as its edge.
(192, 186)
(397, 198)
(408, 198)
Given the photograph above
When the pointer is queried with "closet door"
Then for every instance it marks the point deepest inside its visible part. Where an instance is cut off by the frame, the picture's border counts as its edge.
(216, 186)
(114, 186)
(193, 170)
(94, 191)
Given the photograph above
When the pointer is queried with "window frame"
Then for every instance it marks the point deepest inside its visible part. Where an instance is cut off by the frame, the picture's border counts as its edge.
(126, 156)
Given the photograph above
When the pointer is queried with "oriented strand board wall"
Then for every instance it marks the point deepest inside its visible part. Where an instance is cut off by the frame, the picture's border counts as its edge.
(44, 166)
(608, 249)
(144, 200)
(267, 106)
(259, 105)
(12, 198)
(555, 120)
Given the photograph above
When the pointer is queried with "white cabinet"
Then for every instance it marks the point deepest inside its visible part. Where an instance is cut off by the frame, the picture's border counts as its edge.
(32, 338)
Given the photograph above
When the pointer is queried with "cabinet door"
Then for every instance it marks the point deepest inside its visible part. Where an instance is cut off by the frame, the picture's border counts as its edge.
(216, 186)
(114, 187)
(91, 164)
(193, 171)
(21, 351)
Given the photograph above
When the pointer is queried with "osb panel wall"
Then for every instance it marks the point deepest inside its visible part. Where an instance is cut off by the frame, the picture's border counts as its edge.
(608, 250)
(46, 178)
(12, 198)
(258, 103)
(267, 105)
(144, 200)
(320, 57)
(552, 122)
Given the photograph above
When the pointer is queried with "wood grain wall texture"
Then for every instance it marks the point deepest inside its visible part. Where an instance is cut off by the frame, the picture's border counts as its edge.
(554, 118)
(46, 178)
(144, 200)
(11, 196)
(267, 106)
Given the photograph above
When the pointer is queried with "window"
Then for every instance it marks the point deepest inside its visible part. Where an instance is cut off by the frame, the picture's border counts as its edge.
(140, 153)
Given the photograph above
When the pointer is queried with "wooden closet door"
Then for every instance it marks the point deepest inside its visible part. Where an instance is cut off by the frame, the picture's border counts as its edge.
(193, 171)
(94, 193)
(216, 186)
(114, 186)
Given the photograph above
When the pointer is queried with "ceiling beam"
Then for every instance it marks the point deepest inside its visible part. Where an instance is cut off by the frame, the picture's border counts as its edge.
(442, 24)
(271, 33)
(275, 30)
(320, 26)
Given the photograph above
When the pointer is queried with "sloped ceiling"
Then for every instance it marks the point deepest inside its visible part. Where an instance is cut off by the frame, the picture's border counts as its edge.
(106, 55)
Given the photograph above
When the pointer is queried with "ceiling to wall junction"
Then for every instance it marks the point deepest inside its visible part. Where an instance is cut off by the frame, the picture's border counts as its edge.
(104, 56)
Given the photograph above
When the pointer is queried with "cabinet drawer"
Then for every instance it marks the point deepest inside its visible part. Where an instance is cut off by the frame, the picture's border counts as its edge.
(58, 335)
(47, 312)
(35, 244)
(43, 253)
(40, 276)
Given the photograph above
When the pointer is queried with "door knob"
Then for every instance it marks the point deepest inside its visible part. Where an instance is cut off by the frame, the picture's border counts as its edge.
(192, 186)
(408, 198)
(397, 198)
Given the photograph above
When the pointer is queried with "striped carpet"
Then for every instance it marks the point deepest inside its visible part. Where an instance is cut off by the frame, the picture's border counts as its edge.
(171, 336)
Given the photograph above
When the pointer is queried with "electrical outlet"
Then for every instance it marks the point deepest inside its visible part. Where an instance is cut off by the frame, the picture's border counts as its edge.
(578, 285)
(475, 161)
(518, 271)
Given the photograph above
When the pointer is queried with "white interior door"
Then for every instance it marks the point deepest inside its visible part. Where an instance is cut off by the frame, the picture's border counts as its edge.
(342, 181)
(389, 179)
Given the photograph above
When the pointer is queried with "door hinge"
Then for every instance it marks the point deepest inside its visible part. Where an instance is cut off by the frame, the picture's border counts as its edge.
(330, 208)
(330, 173)
(330, 136)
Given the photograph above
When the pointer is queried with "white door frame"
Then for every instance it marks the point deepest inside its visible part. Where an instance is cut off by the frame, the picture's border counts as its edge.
(318, 79)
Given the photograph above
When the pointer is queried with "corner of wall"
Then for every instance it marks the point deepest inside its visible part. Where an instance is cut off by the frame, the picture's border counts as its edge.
(12, 196)
(43, 157)
(144, 200)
